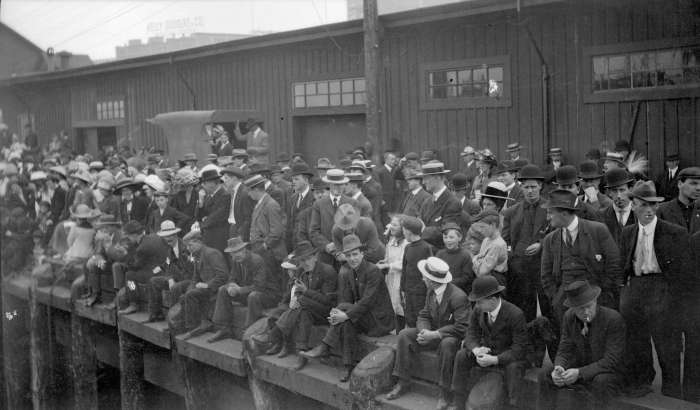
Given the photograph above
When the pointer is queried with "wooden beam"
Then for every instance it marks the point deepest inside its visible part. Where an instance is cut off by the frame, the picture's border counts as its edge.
(15, 329)
(84, 363)
(131, 376)
(39, 354)
(371, 50)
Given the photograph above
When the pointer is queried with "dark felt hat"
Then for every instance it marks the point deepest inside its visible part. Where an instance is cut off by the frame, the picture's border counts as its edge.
(562, 199)
(690, 172)
(566, 175)
(460, 181)
(518, 164)
(133, 227)
(485, 286)
(589, 170)
(672, 157)
(645, 191)
(503, 166)
(412, 156)
(579, 293)
(254, 180)
(282, 157)
(209, 175)
(303, 249)
(302, 168)
(530, 171)
(193, 236)
(233, 170)
(616, 177)
(351, 242)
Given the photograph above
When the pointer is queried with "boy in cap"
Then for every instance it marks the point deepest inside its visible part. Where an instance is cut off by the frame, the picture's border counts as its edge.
(413, 288)
(165, 212)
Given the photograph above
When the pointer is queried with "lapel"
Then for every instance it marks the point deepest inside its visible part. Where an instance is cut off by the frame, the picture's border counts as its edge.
(444, 304)
(258, 208)
(436, 207)
(633, 244)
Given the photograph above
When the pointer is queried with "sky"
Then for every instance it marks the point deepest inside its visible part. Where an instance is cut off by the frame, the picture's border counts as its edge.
(95, 27)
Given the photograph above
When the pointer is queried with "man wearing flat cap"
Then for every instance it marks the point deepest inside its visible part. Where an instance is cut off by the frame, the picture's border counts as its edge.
(685, 209)
(441, 325)
(577, 249)
(267, 223)
(494, 347)
(667, 180)
(589, 361)
(657, 270)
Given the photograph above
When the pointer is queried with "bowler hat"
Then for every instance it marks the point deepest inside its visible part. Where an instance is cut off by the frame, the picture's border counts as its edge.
(512, 147)
(435, 269)
(133, 227)
(503, 167)
(690, 172)
(579, 293)
(168, 228)
(302, 168)
(589, 170)
(317, 184)
(335, 176)
(126, 183)
(254, 180)
(235, 244)
(530, 171)
(412, 156)
(645, 191)
(672, 157)
(190, 156)
(566, 175)
(233, 170)
(518, 164)
(433, 168)
(616, 177)
(239, 153)
(303, 249)
(282, 157)
(193, 236)
(346, 217)
(460, 182)
(324, 163)
(485, 286)
(351, 242)
(561, 199)
(210, 175)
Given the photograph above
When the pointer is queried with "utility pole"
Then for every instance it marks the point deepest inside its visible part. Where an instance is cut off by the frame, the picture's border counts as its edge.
(371, 30)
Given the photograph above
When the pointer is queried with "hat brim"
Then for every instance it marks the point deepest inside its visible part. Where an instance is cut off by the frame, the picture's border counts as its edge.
(625, 182)
(567, 181)
(464, 154)
(655, 199)
(421, 267)
(596, 292)
(231, 249)
(473, 298)
(169, 232)
(536, 178)
(103, 224)
(548, 205)
(307, 173)
(505, 198)
(590, 176)
(345, 180)
(425, 174)
(352, 248)
(132, 185)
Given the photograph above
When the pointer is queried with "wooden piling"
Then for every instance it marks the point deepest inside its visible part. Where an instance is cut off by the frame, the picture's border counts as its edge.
(84, 363)
(131, 366)
(198, 393)
(40, 355)
(15, 328)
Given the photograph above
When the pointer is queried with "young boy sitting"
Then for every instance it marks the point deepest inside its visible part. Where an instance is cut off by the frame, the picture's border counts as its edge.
(492, 258)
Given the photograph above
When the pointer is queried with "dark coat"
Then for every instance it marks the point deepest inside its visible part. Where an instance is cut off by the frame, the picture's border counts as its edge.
(180, 203)
(450, 317)
(471, 170)
(372, 190)
(154, 219)
(58, 202)
(139, 210)
(366, 296)
(507, 337)
(436, 213)
(363, 205)
(242, 212)
(294, 210)
(587, 211)
(322, 214)
(412, 204)
(225, 150)
(607, 338)
(150, 252)
(267, 226)
(671, 211)
(214, 219)
(667, 188)
(598, 250)
(302, 232)
(391, 190)
(367, 232)
(609, 218)
(210, 268)
(461, 268)
(321, 288)
(253, 274)
(411, 278)
(279, 195)
(513, 219)
(178, 267)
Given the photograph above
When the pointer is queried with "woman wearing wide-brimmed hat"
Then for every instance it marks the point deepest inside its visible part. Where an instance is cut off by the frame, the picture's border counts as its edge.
(348, 221)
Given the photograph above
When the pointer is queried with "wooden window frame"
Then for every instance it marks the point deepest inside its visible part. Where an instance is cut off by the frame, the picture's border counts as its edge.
(634, 94)
(331, 109)
(427, 103)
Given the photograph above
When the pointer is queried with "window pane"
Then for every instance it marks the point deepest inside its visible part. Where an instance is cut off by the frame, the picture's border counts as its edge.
(360, 98)
(495, 89)
(481, 89)
(600, 66)
(451, 77)
(451, 91)
(480, 75)
(619, 72)
(317, 101)
(347, 99)
(347, 86)
(496, 74)
(322, 88)
(299, 102)
(335, 100)
(99, 111)
(438, 78)
(298, 89)
(438, 92)
(360, 84)
(334, 86)
(310, 88)
(691, 66)
(121, 109)
(464, 76)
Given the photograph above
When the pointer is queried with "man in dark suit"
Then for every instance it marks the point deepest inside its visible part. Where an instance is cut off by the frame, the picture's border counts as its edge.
(225, 147)
(667, 181)
(131, 207)
(214, 210)
(363, 306)
(618, 183)
(567, 179)
(691, 312)
(468, 165)
(208, 275)
(323, 214)
(165, 212)
(416, 197)
(505, 173)
(685, 209)
(590, 355)
(657, 269)
(496, 339)
(185, 200)
(461, 187)
(280, 196)
(58, 200)
(241, 205)
(353, 189)
(301, 200)
(391, 193)
(590, 184)
(577, 249)
(524, 226)
(266, 223)
(443, 207)
(441, 325)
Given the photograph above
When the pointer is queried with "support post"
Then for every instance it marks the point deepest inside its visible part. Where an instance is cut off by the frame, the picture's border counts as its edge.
(371, 29)
(39, 353)
(15, 329)
(131, 375)
(84, 363)
(198, 394)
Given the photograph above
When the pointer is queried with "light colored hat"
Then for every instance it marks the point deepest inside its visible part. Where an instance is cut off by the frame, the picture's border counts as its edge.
(336, 177)
(104, 184)
(468, 150)
(84, 211)
(346, 217)
(97, 165)
(433, 168)
(83, 176)
(168, 228)
(435, 269)
(37, 176)
(235, 244)
(154, 182)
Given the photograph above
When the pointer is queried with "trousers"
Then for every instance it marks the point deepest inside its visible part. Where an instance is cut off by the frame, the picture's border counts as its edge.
(195, 303)
(407, 349)
(413, 303)
(344, 337)
(467, 372)
(155, 292)
(296, 325)
(591, 394)
(256, 302)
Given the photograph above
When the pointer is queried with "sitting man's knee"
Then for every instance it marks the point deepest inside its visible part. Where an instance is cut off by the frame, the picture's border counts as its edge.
(222, 291)
(254, 297)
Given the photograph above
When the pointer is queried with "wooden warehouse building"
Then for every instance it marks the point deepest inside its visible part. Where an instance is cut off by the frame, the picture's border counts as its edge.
(546, 73)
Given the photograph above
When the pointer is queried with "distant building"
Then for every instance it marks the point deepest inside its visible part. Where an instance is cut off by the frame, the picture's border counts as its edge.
(393, 6)
(159, 45)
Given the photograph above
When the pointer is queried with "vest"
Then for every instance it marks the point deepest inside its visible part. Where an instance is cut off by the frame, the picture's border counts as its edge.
(573, 267)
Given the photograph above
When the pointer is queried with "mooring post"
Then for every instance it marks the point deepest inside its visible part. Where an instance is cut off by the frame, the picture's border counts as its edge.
(39, 356)
(131, 368)
(15, 329)
(198, 394)
(84, 363)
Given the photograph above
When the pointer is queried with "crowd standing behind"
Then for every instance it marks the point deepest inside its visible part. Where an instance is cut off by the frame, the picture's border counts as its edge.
(491, 265)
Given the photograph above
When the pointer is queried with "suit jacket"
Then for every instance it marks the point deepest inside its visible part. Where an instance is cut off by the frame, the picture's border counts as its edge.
(390, 187)
(507, 337)
(225, 150)
(587, 211)
(450, 317)
(667, 188)
(599, 252)
(267, 226)
(672, 248)
(471, 170)
(253, 274)
(214, 219)
(607, 339)
(367, 232)
(363, 205)
(693, 288)
(671, 211)
(242, 212)
(178, 267)
(150, 252)
(513, 219)
(139, 210)
(367, 298)
(154, 219)
(210, 268)
(279, 195)
(321, 288)
(321, 225)
(412, 204)
(609, 218)
(294, 210)
(180, 203)
(516, 194)
(58, 202)
(436, 213)
(604, 202)
(372, 190)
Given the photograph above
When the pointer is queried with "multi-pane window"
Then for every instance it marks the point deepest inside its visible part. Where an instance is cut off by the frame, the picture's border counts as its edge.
(329, 93)
(466, 82)
(110, 110)
(646, 69)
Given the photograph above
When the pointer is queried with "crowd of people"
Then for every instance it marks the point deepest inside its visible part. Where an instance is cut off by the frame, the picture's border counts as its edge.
(491, 265)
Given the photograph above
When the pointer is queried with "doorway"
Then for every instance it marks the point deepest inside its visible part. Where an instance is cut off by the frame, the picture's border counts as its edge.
(93, 140)
(328, 135)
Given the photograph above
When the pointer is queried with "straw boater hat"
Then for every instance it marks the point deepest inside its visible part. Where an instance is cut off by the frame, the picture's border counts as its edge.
(615, 157)
(645, 191)
(513, 147)
(107, 220)
(335, 176)
(83, 211)
(190, 156)
(496, 190)
(168, 228)
(254, 181)
(561, 199)
(485, 286)
(324, 163)
(235, 244)
(351, 242)
(435, 269)
(346, 217)
(554, 151)
(433, 168)
(580, 293)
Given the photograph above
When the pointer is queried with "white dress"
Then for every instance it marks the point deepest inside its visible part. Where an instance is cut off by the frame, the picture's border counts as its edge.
(394, 257)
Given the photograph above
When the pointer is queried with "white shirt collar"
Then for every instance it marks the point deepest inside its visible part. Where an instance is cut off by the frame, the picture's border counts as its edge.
(416, 191)
(267, 185)
(440, 291)
(509, 187)
(437, 194)
(573, 226)
(387, 167)
(256, 132)
(305, 192)
(494, 314)
(650, 228)
(176, 249)
(356, 195)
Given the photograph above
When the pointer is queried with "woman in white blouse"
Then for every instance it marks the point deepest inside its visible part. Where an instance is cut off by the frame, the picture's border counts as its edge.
(391, 264)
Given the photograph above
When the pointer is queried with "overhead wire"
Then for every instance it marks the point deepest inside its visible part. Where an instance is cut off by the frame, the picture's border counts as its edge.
(330, 35)
(101, 23)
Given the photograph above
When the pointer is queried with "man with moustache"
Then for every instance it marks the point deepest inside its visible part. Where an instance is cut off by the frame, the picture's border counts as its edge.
(300, 201)
(618, 183)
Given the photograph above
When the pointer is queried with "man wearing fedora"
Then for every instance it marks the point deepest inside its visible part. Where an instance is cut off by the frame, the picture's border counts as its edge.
(524, 227)
(590, 184)
(444, 206)
(667, 181)
(468, 164)
(300, 202)
(273, 190)
(257, 140)
(618, 183)
(190, 161)
(496, 339)
(353, 189)
(577, 249)
(567, 178)
(214, 210)
(239, 158)
(131, 207)
(391, 189)
(106, 240)
(251, 283)
(364, 307)
(241, 204)
(589, 361)
(267, 223)
(441, 325)
(309, 297)
(209, 272)
(165, 212)
(415, 197)
(505, 173)
(177, 268)
(657, 270)
(323, 215)
(348, 221)
(685, 209)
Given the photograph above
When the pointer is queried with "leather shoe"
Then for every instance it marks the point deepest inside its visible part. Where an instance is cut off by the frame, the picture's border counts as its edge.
(319, 351)
(220, 335)
(284, 352)
(155, 318)
(300, 363)
(198, 331)
(274, 349)
(399, 389)
(128, 310)
(348, 373)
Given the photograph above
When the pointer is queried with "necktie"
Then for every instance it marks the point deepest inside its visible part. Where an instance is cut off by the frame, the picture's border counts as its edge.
(620, 218)
(301, 198)
(567, 237)
(584, 331)
(670, 175)
(644, 254)
(335, 203)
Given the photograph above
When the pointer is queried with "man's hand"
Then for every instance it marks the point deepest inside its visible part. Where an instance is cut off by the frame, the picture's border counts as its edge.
(201, 285)
(486, 360)
(426, 336)
(570, 376)
(330, 247)
(481, 350)
(171, 283)
(131, 285)
(591, 194)
(533, 249)
(232, 290)
(300, 286)
(337, 317)
(557, 376)
(157, 270)
(340, 257)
